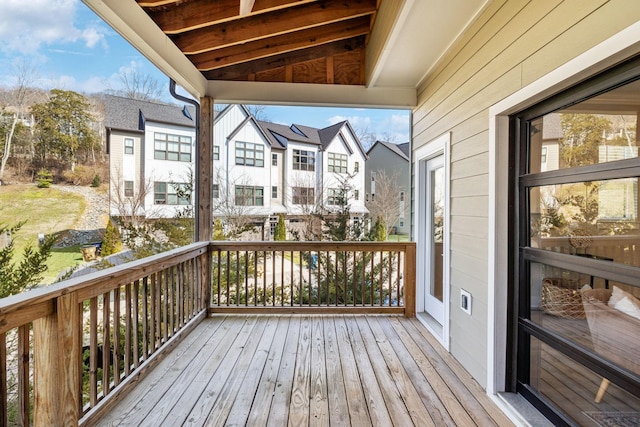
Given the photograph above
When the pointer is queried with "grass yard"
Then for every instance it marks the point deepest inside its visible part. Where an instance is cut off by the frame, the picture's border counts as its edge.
(45, 210)
(398, 238)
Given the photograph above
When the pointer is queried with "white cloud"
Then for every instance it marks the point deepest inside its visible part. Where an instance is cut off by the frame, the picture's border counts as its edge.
(358, 122)
(27, 25)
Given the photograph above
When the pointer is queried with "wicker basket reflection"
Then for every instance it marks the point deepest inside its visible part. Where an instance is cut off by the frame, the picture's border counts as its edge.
(562, 297)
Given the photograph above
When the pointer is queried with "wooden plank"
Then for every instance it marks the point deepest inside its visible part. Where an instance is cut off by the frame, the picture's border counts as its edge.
(279, 411)
(222, 393)
(299, 408)
(318, 400)
(198, 386)
(339, 414)
(385, 360)
(204, 184)
(243, 401)
(216, 387)
(162, 377)
(278, 22)
(466, 389)
(362, 394)
(69, 366)
(381, 394)
(259, 411)
(308, 310)
(434, 381)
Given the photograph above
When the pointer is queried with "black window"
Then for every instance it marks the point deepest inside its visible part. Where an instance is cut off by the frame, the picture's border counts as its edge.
(577, 245)
(128, 146)
(337, 163)
(128, 189)
(172, 147)
(304, 160)
(249, 196)
(249, 154)
(303, 195)
(171, 193)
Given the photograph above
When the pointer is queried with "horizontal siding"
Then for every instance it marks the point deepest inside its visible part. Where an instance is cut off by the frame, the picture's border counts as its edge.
(470, 226)
(509, 45)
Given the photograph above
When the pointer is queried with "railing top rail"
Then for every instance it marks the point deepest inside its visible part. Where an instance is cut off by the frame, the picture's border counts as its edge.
(112, 277)
(310, 246)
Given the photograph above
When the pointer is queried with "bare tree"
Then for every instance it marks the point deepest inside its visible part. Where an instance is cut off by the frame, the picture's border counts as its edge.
(306, 200)
(385, 203)
(139, 86)
(235, 213)
(25, 76)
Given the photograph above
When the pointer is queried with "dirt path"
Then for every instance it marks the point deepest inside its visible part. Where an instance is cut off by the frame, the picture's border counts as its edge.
(92, 222)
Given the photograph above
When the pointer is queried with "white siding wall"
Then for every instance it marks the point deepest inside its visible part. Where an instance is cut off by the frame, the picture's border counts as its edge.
(124, 167)
(510, 44)
(165, 170)
(332, 180)
(298, 178)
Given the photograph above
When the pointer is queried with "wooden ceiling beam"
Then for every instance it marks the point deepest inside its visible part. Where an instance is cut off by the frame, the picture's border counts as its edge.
(177, 17)
(280, 44)
(242, 71)
(274, 23)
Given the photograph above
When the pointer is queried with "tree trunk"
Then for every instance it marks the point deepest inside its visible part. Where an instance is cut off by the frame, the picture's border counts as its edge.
(7, 145)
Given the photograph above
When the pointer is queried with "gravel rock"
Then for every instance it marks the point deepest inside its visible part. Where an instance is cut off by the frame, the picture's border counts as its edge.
(93, 221)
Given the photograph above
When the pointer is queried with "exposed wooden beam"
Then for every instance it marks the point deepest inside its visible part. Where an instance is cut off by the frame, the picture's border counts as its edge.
(182, 17)
(274, 23)
(280, 44)
(155, 3)
(243, 70)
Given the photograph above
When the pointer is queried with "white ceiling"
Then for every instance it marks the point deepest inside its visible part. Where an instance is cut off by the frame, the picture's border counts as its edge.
(424, 32)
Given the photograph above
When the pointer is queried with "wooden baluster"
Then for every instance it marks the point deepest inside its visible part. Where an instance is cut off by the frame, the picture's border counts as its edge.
(23, 374)
(116, 336)
(165, 305)
(93, 351)
(4, 422)
(135, 317)
(152, 320)
(145, 318)
(106, 343)
(409, 279)
(127, 330)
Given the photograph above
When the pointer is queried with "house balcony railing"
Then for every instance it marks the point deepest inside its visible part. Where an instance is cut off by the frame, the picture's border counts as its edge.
(69, 351)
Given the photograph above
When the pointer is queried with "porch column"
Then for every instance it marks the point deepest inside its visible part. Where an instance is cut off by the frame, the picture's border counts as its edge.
(205, 171)
(204, 188)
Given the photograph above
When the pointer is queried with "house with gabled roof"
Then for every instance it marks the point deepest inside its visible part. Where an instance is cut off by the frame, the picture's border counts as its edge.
(151, 148)
(395, 161)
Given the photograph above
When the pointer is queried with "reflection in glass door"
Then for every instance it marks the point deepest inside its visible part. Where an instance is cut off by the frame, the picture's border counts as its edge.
(434, 229)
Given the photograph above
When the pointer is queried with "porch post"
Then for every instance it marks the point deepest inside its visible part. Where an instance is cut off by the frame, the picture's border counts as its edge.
(57, 364)
(409, 280)
(204, 180)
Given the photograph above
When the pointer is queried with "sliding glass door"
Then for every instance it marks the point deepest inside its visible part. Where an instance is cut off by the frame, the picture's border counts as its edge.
(576, 248)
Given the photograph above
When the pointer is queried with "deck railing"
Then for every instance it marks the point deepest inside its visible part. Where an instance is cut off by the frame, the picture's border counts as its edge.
(621, 249)
(324, 277)
(68, 351)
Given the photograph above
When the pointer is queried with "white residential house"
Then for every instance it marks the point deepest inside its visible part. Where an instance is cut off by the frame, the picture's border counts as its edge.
(150, 148)
(261, 169)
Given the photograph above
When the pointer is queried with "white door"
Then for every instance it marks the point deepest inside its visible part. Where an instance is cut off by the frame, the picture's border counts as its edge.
(434, 216)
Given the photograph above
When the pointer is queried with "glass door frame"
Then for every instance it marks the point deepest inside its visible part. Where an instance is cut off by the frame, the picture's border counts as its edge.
(435, 148)
(521, 255)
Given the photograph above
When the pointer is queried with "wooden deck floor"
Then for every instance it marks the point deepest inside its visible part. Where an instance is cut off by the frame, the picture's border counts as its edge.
(307, 370)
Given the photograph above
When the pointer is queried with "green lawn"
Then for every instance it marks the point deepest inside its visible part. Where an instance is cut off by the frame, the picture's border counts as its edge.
(398, 238)
(45, 210)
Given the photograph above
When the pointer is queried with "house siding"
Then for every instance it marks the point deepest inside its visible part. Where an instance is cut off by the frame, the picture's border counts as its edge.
(508, 46)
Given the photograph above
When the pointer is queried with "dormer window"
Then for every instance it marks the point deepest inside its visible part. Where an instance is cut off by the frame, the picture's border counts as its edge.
(295, 129)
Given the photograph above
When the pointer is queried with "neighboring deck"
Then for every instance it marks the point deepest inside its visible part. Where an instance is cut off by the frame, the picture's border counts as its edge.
(307, 370)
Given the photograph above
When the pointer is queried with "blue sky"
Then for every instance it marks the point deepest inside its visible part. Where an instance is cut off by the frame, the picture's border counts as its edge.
(69, 47)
